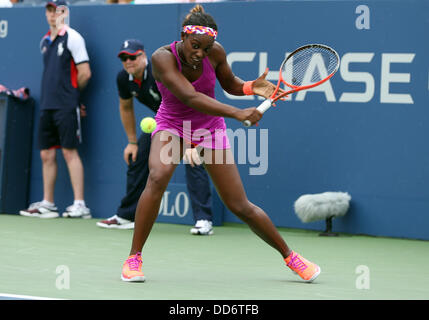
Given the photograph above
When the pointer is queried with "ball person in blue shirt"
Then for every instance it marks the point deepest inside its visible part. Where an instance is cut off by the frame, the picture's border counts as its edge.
(66, 73)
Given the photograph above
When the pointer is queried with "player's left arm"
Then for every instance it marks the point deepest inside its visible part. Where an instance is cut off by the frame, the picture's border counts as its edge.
(233, 84)
(227, 79)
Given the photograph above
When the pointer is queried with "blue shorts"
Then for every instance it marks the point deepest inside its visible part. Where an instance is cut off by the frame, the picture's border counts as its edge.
(59, 129)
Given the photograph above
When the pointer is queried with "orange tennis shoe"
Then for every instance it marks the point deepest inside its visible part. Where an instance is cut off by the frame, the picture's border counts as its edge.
(307, 270)
(132, 269)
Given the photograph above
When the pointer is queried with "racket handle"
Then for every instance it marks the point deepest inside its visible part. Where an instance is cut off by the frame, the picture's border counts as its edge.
(264, 106)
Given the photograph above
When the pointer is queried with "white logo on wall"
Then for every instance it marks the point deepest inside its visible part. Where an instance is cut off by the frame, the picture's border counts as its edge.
(3, 28)
(179, 206)
(388, 85)
(362, 21)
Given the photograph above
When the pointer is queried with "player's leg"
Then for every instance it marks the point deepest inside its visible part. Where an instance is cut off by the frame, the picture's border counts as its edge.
(165, 154)
(228, 183)
(227, 180)
(162, 164)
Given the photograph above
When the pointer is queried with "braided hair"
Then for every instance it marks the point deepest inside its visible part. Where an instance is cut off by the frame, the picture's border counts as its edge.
(197, 16)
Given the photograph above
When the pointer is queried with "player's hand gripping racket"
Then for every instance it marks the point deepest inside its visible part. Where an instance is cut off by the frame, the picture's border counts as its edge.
(293, 72)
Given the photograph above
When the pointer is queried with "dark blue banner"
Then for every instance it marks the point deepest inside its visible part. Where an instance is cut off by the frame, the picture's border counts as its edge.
(363, 132)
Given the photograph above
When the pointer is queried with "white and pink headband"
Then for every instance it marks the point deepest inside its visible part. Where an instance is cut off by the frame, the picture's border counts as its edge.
(190, 29)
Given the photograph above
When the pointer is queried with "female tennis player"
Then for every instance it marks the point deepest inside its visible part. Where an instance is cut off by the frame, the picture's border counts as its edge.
(186, 73)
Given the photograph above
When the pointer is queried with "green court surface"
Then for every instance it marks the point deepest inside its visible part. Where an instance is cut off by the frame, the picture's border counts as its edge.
(234, 264)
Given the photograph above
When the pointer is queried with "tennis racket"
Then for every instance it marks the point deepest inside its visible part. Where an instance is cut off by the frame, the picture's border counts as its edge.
(293, 72)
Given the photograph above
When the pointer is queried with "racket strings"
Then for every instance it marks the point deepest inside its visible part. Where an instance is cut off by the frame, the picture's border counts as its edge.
(309, 65)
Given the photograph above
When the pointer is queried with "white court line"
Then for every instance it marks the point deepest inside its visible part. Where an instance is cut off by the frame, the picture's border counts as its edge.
(19, 296)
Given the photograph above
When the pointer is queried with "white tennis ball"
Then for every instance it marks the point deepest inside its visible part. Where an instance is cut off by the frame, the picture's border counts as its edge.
(148, 124)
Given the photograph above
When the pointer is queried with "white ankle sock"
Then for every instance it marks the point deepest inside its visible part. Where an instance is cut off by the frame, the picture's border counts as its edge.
(48, 203)
(79, 203)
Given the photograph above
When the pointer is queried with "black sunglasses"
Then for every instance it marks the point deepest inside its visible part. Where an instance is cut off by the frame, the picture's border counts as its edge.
(125, 57)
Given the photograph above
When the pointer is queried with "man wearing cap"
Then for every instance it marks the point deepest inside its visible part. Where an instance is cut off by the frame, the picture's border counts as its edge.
(136, 80)
(66, 73)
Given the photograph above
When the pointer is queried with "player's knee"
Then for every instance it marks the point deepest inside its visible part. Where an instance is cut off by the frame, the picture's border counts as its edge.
(242, 209)
(158, 180)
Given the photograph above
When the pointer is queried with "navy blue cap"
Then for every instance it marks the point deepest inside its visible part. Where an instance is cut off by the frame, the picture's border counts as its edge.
(57, 3)
(131, 47)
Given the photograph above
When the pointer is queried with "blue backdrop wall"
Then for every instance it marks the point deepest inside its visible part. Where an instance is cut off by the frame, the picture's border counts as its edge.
(365, 132)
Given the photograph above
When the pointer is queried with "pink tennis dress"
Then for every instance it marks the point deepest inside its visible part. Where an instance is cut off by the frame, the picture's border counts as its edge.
(193, 126)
